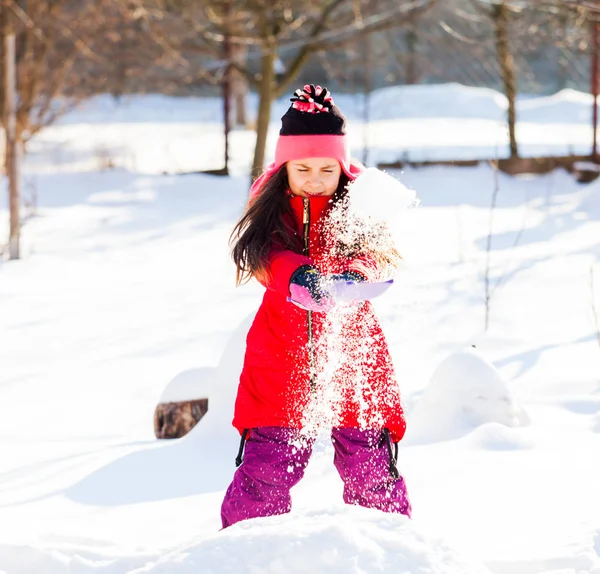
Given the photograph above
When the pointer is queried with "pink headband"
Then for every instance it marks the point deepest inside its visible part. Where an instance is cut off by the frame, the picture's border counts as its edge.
(289, 148)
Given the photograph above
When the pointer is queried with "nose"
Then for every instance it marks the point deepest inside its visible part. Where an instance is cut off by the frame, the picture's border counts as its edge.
(314, 180)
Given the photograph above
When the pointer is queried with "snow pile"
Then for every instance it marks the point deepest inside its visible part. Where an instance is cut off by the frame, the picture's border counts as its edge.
(354, 541)
(449, 100)
(434, 101)
(145, 108)
(222, 398)
(567, 106)
(465, 391)
(189, 385)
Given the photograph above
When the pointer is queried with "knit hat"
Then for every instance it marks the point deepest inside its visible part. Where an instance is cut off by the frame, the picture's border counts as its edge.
(313, 126)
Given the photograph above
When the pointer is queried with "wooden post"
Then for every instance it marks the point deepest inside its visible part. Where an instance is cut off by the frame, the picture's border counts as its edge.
(13, 163)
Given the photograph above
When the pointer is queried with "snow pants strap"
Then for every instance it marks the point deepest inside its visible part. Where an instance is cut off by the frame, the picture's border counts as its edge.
(240, 455)
(393, 456)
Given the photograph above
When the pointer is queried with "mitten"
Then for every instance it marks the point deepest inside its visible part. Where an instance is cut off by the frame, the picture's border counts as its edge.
(343, 288)
(307, 289)
(347, 276)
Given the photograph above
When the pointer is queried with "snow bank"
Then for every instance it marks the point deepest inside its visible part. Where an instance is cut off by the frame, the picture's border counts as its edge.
(465, 391)
(596, 423)
(420, 101)
(220, 413)
(450, 100)
(190, 385)
(565, 107)
(433, 101)
(353, 541)
(141, 108)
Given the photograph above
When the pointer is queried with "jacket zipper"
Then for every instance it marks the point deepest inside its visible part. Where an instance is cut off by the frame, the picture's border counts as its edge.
(311, 350)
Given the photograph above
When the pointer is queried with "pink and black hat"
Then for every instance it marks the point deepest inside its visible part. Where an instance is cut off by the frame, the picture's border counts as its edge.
(313, 126)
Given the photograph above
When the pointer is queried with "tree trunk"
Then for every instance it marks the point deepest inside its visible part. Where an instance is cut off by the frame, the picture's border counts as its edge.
(594, 88)
(226, 89)
(239, 86)
(367, 88)
(12, 146)
(266, 94)
(507, 71)
(412, 75)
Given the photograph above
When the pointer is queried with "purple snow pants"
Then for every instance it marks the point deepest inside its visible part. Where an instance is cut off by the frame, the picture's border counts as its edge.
(275, 460)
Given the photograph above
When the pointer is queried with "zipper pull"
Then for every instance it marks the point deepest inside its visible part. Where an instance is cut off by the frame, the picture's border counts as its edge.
(306, 207)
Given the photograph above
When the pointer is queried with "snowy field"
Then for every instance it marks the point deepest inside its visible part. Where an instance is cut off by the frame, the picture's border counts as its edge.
(126, 282)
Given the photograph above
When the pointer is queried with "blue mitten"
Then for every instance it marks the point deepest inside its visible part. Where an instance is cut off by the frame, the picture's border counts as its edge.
(354, 276)
(307, 289)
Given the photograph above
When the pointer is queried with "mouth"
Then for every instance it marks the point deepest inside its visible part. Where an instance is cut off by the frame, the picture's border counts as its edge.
(314, 193)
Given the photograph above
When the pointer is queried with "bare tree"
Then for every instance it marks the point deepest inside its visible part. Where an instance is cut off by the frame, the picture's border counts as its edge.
(63, 55)
(273, 32)
(44, 45)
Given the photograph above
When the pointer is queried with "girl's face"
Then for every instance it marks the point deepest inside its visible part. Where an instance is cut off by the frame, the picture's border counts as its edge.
(313, 176)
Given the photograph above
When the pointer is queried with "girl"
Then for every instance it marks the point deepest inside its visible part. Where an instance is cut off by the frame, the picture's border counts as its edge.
(289, 240)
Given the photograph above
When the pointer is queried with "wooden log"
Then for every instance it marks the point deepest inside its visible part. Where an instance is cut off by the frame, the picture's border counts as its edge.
(174, 420)
(586, 171)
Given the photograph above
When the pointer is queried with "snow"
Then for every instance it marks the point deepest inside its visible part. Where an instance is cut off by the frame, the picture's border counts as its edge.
(568, 106)
(157, 134)
(126, 286)
(447, 100)
(189, 385)
(465, 392)
(354, 540)
(378, 195)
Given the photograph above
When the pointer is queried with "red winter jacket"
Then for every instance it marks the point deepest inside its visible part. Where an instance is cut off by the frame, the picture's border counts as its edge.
(275, 387)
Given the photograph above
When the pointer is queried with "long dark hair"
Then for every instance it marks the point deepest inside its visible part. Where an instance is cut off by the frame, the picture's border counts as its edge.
(267, 220)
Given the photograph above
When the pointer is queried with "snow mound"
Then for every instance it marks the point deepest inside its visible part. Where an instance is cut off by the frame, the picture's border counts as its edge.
(465, 391)
(441, 100)
(353, 541)
(145, 108)
(380, 196)
(496, 436)
(222, 398)
(190, 385)
(596, 423)
(567, 106)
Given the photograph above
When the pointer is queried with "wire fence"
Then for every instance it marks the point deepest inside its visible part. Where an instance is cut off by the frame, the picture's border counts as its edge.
(456, 41)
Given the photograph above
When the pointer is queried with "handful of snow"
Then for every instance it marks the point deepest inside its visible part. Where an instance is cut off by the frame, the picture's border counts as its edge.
(377, 195)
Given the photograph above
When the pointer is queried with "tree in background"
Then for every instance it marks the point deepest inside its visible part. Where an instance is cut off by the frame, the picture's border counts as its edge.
(47, 51)
(513, 33)
(276, 33)
(501, 15)
(58, 44)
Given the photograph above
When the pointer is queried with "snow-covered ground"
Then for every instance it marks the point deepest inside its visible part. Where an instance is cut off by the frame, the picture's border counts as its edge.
(126, 282)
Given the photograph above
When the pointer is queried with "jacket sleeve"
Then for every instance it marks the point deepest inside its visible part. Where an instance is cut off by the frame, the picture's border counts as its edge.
(281, 265)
